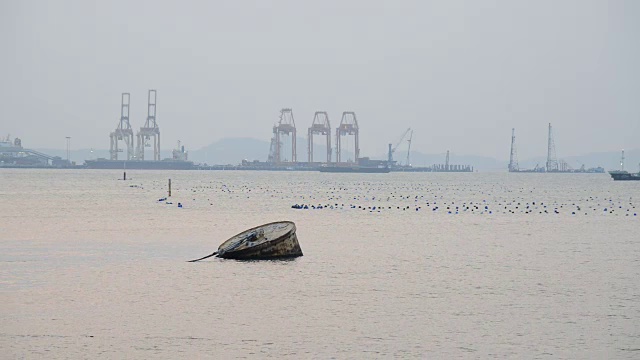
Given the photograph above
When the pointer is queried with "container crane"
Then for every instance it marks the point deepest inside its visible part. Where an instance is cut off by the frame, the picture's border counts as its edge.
(392, 148)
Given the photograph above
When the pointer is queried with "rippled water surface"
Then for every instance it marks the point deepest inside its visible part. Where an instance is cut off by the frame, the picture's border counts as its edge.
(396, 265)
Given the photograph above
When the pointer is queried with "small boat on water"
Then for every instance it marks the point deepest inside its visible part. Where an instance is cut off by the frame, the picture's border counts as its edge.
(268, 241)
(622, 174)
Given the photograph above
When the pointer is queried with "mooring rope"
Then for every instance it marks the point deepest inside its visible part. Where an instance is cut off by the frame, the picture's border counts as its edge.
(251, 236)
(202, 258)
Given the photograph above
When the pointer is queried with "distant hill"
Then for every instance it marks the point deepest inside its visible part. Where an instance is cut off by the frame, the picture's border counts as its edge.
(231, 151)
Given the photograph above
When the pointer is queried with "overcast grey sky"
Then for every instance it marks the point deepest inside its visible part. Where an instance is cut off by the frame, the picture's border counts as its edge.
(461, 73)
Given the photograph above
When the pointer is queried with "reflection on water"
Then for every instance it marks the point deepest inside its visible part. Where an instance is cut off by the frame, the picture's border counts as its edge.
(96, 267)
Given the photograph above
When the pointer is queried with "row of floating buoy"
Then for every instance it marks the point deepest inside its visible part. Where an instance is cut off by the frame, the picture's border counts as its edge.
(371, 196)
(481, 207)
(449, 209)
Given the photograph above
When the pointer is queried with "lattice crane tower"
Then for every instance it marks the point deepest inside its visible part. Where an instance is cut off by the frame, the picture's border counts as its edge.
(286, 126)
(123, 131)
(348, 126)
(513, 159)
(320, 126)
(150, 129)
(552, 160)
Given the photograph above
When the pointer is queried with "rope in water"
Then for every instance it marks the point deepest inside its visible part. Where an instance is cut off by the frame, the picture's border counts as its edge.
(232, 246)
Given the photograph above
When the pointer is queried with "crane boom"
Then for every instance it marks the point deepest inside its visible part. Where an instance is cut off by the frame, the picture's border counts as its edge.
(393, 149)
(409, 148)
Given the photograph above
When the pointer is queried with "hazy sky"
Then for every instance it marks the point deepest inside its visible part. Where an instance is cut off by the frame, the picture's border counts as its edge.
(460, 73)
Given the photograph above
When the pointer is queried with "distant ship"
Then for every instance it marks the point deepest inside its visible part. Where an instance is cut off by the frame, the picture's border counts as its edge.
(622, 174)
(178, 162)
(167, 164)
(354, 169)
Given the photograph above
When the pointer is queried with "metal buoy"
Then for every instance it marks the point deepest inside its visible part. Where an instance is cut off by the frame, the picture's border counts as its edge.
(269, 241)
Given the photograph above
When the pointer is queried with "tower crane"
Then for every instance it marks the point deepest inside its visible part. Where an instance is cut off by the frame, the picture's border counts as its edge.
(392, 148)
(409, 148)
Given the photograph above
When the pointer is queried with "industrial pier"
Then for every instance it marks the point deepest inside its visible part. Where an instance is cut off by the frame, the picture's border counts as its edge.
(346, 147)
(147, 135)
(553, 165)
(348, 129)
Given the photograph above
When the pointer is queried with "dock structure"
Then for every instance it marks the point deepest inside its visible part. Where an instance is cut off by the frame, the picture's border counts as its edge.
(12, 154)
(553, 164)
(447, 167)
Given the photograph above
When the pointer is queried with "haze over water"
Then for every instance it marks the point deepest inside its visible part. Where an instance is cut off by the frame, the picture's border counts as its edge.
(96, 267)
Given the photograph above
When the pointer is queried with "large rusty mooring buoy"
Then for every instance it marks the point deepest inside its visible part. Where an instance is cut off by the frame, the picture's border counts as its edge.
(269, 241)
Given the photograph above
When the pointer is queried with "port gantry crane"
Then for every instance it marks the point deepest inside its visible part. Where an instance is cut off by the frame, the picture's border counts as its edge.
(286, 126)
(150, 129)
(392, 148)
(123, 131)
(320, 126)
(348, 126)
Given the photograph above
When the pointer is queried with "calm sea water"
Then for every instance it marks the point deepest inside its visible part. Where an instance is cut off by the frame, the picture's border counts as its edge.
(527, 266)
